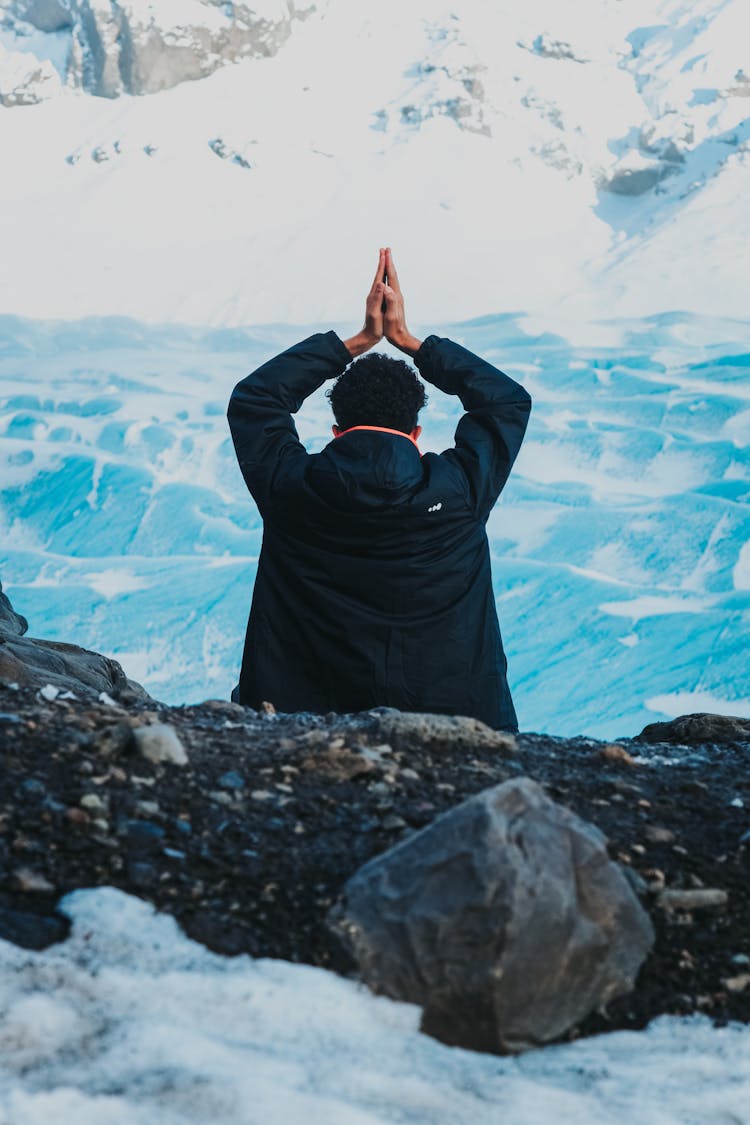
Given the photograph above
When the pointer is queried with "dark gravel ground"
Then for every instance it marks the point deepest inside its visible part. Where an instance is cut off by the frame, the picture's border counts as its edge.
(249, 844)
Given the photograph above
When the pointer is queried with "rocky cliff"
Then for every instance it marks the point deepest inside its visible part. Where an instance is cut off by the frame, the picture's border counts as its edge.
(134, 47)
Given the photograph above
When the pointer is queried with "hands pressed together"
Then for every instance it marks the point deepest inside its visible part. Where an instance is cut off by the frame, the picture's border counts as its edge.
(384, 312)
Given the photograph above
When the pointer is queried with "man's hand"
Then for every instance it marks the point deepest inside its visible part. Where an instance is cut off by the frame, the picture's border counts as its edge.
(394, 319)
(372, 332)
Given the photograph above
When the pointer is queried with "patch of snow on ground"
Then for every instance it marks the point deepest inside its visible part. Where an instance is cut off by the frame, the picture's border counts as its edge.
(128, 1022)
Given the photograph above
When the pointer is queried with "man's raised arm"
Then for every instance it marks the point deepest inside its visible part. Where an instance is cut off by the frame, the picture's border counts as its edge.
(261, 407)
(489, 435)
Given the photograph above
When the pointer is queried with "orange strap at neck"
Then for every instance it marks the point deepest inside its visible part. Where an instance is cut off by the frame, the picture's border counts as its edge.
(381, 430)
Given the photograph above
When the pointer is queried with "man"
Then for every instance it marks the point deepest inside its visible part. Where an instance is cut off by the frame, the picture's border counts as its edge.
(373, 585)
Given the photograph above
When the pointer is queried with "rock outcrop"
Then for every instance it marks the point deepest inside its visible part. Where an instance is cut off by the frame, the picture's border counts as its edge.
(65, 667)
(119, 46)
(698, 729)
(504, 919)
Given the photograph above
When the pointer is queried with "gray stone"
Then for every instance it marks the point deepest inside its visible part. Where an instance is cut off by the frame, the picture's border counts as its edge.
(160, 743)
(404, 730)
(699, 898)
(697, 729)
(504, 919)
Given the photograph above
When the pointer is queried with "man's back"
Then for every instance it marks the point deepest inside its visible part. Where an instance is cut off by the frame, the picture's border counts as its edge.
(374, 584)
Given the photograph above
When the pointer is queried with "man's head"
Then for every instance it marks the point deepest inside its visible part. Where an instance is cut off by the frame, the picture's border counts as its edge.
(377, 391)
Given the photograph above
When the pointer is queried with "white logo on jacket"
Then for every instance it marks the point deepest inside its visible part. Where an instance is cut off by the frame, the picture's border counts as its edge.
(435, 507)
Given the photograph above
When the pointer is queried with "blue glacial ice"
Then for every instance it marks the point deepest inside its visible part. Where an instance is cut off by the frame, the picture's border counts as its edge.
(620, 544)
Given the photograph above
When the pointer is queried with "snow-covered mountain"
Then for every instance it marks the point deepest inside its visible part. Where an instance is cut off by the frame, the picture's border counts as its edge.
(231, 170)
(558, 158)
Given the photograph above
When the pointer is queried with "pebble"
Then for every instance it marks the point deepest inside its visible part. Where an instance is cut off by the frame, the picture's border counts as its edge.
(33, 788)
(261, 795)
(616, 754)
(655, 834)
(738, 983)
(160, 743)
(143, 835)
(703, 898)
(147, 808)
(31, 882)
(392, 822)
(231, 780)
(77, 816)
(91, 801)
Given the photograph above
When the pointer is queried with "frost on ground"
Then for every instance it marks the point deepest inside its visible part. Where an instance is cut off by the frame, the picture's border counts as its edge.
(128, 1022)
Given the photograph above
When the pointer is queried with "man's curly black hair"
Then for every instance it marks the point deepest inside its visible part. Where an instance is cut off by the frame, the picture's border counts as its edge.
(377, 391)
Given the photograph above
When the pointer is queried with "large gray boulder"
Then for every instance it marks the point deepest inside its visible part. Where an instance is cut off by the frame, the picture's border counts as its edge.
(34, 663)
(504, 919)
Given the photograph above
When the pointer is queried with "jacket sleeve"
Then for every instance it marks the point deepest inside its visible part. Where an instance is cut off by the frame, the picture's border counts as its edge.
(490, 433)
(261, 407)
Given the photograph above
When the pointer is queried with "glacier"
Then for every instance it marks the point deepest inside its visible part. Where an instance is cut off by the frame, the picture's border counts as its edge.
(620, 558)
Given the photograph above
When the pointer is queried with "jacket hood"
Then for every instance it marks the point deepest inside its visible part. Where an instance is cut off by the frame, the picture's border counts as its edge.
(365, 468)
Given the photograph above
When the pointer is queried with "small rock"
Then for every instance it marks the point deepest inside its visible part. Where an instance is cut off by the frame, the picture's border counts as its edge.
(740, 959)
(223, 707)
(261, 795)
(738, 983)
(113, 740)
(32, 931)
(737, 803)
(31, 882)
(616, 754)
(267, 708)
(101, 824)
(147, 808)
(703, 898)
(107, 700)
(33, 788)
(392, 822)
(90, 801)
(231, 780)
(655, 834)
(160, 743)
(143, 835)
(655, 879)
(77, 816)
(338, 763)
(409, 775)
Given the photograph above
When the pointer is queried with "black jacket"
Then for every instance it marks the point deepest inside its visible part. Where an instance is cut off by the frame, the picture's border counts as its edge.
(373, 585)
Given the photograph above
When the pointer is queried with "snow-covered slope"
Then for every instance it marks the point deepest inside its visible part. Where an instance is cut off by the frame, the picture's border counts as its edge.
(550, 157)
